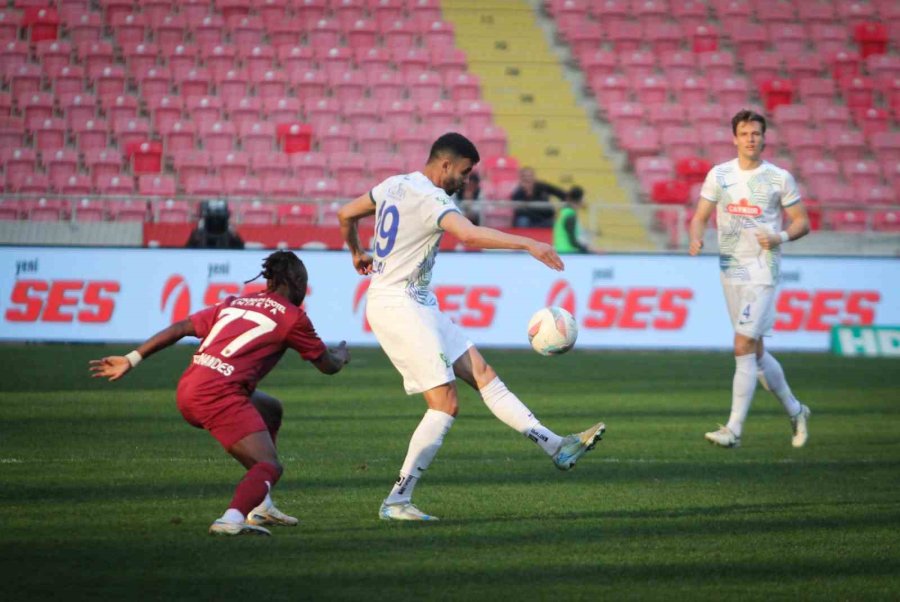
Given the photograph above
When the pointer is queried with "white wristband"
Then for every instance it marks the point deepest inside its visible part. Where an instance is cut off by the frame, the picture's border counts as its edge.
(134, 358)
(784, 236)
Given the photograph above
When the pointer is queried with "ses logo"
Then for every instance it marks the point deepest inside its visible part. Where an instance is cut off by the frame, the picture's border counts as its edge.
(630, 308)
(62, 301)
(468, 306)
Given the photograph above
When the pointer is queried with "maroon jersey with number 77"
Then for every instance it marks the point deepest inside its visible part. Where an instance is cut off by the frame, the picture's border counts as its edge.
(242, 339)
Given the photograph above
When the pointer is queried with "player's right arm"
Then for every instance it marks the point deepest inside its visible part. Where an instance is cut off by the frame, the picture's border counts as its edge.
(698, 224)
(481, 237)
(333, 359)
(349, 216)
(115, 367)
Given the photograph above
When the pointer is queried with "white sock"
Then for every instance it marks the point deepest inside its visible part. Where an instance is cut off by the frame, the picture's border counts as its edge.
(742, 390)
(423, 446)
(512, 412)
(233, 515)
(771, 376)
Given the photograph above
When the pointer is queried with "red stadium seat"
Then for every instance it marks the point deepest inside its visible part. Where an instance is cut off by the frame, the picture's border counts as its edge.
(61, 163)
(670, 192)
(256, 213)
(246, 30)
(129, 131)
(348, 86)
(204, 110)
(72, 184)
(362, 112)
(244, 110)
(190, 163)
(282, 187)
(230, 164)
(89, 210)
(155, 83)
(172, 211)
(156, 185)
(692, 170)
(271, 165)
(704, 39)
(44, 210)
(841, 220)
(776, 92)
(886, 221)
(877, 195)
(128, 210)
(862, 173)
(218, 136)
(119, 184)
(887, 146)
(848, 146)
(650, 170)
(309, 166)
(297, 214)
(386, 85)
(248, 186)
(257, 137)
(103, 162)
(322, 188)
(204, 186)
(120, 107)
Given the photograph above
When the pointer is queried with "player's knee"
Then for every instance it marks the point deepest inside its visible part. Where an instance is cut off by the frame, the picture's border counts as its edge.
(274, 466)
(744, 345)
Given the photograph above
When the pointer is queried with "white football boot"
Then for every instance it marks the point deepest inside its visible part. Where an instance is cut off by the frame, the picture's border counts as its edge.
(270, 516)
(799, 426)
(402, 511)
(221, 527)
(723, 437)
(575, 446)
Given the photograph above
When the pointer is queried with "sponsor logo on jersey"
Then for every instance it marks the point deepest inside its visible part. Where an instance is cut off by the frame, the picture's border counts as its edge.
(743, 208)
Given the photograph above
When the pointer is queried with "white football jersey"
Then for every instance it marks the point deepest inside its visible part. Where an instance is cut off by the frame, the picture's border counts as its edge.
(748, 201)
(408, 212)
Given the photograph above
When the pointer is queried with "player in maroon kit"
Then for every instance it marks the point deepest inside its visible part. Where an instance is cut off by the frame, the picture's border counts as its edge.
(242, 340)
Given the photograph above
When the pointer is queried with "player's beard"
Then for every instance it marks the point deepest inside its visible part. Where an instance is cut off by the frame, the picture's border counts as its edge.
(453, 186)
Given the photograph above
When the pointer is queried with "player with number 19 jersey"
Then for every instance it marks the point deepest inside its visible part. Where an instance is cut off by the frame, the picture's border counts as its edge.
(409, 209)
(242, 340)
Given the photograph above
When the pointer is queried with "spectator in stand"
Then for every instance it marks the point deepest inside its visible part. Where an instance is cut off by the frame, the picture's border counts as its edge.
(213, 230)
(469, 196)
(532, 190)
(566, 231)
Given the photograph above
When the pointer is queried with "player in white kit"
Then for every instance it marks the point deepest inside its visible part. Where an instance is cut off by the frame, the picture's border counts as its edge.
(748, 195)
(412, 213)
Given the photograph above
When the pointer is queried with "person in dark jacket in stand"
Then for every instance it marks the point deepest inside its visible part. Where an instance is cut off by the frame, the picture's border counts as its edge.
(530, 190)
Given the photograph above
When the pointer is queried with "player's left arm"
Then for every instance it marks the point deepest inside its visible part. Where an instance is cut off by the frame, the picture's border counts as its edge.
(348, 217)
(115, 367)
(482, 237)
(798, 228)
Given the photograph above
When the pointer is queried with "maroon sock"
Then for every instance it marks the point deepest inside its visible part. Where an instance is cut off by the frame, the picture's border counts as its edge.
(252, 489)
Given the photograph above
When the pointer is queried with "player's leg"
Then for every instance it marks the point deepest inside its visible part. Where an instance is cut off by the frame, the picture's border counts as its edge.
(771, 377)
(271, 411)
(424, 444)
(410, 336)
(240, 429)
(744, 310)
(472, 368)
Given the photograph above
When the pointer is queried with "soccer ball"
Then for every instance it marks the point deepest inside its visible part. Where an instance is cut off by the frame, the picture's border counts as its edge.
(552, 331)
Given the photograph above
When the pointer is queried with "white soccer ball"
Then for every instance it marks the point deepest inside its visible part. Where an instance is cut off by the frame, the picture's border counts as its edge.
(552, 331)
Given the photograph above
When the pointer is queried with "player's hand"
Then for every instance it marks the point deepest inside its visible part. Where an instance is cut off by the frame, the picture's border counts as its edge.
(696, 246)
(341, 353)
(546, 255)
(363, 264)
(113, 367)
(767, 240)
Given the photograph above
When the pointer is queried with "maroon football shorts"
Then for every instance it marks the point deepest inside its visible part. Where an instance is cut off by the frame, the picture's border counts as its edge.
(229, 419)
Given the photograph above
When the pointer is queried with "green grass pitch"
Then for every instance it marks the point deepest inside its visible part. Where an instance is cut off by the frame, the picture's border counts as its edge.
(106, 494)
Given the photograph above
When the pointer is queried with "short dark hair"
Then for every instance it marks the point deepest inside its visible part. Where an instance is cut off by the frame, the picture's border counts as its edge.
(576, 193)
(456, 145)
(747, 115)
(284, 267)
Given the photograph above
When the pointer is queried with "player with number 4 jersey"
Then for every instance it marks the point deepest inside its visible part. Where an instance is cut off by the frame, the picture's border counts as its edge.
(242, 339)
(749, 195)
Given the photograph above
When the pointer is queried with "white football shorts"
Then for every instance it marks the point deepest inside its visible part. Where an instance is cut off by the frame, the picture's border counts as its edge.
(420, 341)
(751, 308)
